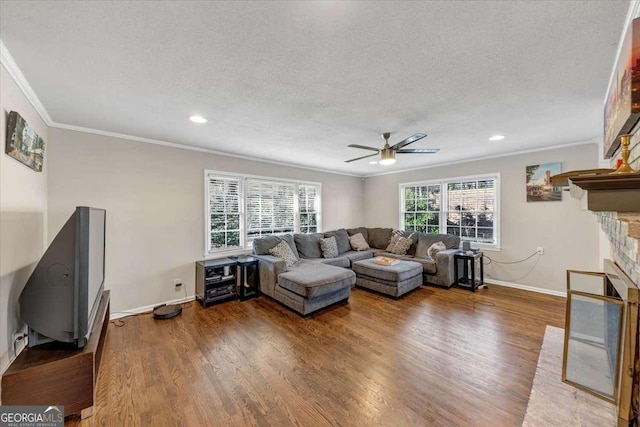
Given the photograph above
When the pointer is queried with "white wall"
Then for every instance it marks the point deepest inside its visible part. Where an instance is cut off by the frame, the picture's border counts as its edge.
(23, 210)
(154, 197)
(568, 234)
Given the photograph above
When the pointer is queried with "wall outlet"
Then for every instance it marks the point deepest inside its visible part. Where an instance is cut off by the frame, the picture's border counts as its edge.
(177, 284)
(540, 250)
(19, 342)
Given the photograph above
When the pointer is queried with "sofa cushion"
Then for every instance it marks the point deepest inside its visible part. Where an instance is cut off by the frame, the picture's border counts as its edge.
(342, 239)
(379, 237)
(354, 256)
(283, 251)
(428, 265)
(329, 247)
(312, 279)
(308, 245)
(261, 245)
(336, 262)
(425, 240)
(361, 230)
(358, 242)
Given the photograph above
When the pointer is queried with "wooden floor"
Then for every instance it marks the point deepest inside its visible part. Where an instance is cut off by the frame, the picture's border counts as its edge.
(433, 358)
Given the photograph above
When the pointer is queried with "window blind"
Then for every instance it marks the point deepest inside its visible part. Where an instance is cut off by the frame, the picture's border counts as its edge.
(270, 207)
(242, 208)
(225, 202)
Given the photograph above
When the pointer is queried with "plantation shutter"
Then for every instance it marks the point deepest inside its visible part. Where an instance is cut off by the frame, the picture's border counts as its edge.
(225, 203)
(271, 207)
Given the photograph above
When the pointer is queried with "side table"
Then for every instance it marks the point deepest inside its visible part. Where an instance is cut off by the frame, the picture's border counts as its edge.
(248, 277)
(468, 279)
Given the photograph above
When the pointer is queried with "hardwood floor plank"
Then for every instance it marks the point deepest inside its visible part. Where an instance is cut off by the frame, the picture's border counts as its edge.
(435, 357)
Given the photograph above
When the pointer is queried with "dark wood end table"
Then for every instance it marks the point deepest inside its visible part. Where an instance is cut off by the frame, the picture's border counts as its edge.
(468, 279)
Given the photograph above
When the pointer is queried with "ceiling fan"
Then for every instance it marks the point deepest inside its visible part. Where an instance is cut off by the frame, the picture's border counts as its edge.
(388, 153)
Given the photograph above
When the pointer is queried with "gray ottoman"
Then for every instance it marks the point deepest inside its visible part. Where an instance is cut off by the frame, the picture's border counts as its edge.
(395, 280)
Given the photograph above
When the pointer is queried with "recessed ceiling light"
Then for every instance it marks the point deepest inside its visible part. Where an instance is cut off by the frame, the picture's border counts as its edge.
(373, 162)
(496, 138)
(198, 119)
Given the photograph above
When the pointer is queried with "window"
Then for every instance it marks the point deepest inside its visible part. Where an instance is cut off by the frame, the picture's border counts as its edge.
(309, 200)
(464, 207)
(225, 199)
(270, 208)
(242, 208)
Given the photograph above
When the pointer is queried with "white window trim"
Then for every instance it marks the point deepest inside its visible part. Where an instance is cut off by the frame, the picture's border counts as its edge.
(443, 220)
(242, 209)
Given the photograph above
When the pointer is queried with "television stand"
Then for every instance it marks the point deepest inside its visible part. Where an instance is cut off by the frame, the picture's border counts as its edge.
(51, 374)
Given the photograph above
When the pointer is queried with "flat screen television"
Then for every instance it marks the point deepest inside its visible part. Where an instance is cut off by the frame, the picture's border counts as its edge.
(61, 298)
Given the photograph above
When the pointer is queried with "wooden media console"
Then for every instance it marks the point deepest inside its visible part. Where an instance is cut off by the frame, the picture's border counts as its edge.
(50, 374)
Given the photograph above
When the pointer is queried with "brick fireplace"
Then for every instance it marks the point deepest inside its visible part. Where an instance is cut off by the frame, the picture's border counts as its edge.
(623, 232)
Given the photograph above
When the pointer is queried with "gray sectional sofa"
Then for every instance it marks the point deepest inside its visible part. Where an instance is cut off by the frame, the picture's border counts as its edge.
(314, 282)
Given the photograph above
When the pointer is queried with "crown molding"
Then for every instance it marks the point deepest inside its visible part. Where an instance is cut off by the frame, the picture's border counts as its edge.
(16, 74)
(14, 71)
(192, 148)
(12, 68)
(496, 156)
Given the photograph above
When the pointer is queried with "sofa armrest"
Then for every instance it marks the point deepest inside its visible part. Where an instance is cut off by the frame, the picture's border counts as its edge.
(445, 267)
(269, 268)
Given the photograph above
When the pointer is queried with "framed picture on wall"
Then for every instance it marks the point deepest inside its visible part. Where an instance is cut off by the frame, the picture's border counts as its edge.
(622, 109)
(23, 143)
(539, 187)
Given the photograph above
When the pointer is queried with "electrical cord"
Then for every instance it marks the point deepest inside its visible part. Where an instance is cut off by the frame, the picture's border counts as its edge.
(476, 302)
(119, 323)
(517, 278)
(508, 262)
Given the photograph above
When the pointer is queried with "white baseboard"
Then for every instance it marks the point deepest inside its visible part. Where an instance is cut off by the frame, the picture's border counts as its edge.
(526, 288)
(148, 308)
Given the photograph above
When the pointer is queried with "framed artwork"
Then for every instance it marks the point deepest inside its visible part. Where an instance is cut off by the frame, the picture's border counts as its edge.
(23, 143)
(622, 109)
(539, 187)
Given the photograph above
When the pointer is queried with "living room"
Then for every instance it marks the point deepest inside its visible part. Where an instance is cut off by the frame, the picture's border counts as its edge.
(149, 170)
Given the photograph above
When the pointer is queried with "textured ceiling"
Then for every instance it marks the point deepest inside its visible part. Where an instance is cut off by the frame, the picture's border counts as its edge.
(297, 82)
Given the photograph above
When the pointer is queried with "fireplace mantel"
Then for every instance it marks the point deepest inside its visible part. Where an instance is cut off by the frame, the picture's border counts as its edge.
(605, 192)
(610, 193)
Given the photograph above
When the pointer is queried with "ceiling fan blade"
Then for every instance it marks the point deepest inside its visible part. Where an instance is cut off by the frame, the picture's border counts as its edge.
(418, 150)
(364, 147)
(409, 140)
(359, 158)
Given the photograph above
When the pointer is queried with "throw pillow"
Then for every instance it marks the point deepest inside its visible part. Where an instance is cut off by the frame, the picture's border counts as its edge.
(399, 245)
(329, 247)
(435, 248)
(358, 243)
(342, 239)
(283, 251)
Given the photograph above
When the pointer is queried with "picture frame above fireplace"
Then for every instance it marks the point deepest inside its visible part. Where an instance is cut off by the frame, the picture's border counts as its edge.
(622, 109)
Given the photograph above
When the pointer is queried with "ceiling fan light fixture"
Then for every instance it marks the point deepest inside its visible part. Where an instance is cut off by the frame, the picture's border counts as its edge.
(387, 156)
